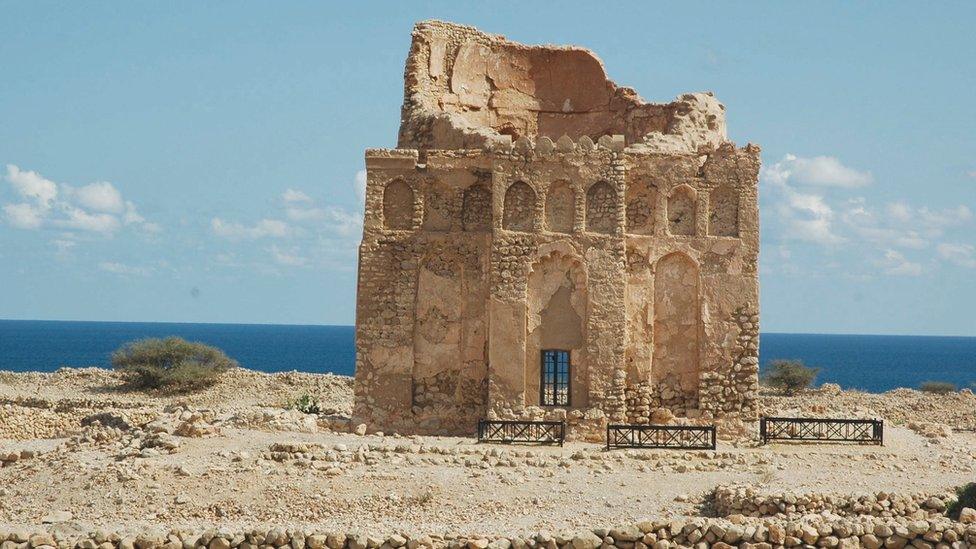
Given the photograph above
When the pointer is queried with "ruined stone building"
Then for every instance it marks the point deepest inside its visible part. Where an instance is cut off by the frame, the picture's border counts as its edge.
(543, 243)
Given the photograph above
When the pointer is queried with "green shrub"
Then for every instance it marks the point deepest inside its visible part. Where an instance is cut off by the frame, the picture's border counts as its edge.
(172, 363)
(938, 387)
(790, 376)
(965, 497)
(307, 404)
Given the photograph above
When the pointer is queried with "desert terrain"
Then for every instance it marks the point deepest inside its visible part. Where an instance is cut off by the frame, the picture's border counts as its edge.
(82, 452)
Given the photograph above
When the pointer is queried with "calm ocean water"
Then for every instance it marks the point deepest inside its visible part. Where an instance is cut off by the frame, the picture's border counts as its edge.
(874, 363)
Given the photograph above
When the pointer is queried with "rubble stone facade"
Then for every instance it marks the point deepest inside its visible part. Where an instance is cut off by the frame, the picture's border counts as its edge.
(533, 205)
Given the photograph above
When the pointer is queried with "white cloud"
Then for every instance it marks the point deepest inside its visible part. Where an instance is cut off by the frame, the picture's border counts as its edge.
(963, 255)
(306, 233)
(305, 214)
(100, 197)
(123, 269)
(819, 171)
(24, 216)
(807, 217)
(292, 195)
(78, 219)
(288, 258)
(360, 183)
(266, 228)
(31, 185)
(895, 263)
(97, 207)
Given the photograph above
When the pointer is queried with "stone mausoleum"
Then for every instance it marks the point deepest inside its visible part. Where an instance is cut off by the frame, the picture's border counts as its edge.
(543, 244)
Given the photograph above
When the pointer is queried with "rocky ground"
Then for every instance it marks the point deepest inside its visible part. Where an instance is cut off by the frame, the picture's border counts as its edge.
(78, 448)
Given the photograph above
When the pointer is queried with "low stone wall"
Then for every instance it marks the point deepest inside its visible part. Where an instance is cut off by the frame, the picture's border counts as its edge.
(868, 532)
(745, 500)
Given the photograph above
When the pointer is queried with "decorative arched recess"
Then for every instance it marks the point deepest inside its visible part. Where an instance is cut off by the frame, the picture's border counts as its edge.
(682, 211)
(601, 208)
(641, 202)
(556, 303)
(397, 205)
(560, 207)
(476, 208)
(437, 331)
(723, 220)
(450, 364)
(520, 208)
(677, 323)
(639, 309)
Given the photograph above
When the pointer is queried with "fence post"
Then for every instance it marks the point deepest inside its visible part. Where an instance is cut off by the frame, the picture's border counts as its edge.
(762, 429)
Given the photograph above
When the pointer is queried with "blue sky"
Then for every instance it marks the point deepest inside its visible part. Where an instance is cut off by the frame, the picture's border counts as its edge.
(202, 162)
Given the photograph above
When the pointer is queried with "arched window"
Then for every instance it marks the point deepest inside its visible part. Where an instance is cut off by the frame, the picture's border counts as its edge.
(682, 211)
(476, 208)
(560, 208)
(601, 208)
(724, 217)
(520, 208)
(398, 205)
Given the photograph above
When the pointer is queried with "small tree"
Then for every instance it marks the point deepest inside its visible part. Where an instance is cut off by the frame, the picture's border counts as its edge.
(790, 376)
(965, 497)
(938, 387)
(171, 363)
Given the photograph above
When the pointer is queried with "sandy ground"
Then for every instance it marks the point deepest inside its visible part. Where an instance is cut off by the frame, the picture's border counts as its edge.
(285, 468)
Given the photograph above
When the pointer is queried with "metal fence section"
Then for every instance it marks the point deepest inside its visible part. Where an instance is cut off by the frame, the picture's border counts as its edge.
(681, 437)
(865, 431)
(507, 432)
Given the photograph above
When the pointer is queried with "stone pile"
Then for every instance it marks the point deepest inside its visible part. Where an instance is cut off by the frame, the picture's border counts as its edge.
(746, 500)
(868, 532)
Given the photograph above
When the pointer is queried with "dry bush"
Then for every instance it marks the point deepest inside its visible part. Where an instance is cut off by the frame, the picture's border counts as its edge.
(790, 376)
(938, 387)
(171, 363)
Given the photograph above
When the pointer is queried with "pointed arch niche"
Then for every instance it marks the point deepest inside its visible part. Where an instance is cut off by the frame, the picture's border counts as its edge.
(723, 218)
(560, 207)
(682, 211)
(677, 322)
(397, 205)
(556, 320)
(641, 202)
(601, 208)
(520, 208)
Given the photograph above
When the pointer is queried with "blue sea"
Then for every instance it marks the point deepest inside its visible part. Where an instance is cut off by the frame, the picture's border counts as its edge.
(868, 362)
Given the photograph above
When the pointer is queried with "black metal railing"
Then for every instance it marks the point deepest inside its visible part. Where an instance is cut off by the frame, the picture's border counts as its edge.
(509, 431)
(681, 437)
(865, 431)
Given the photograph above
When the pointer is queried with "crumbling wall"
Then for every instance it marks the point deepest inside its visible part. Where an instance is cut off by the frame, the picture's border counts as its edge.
(464, 88)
